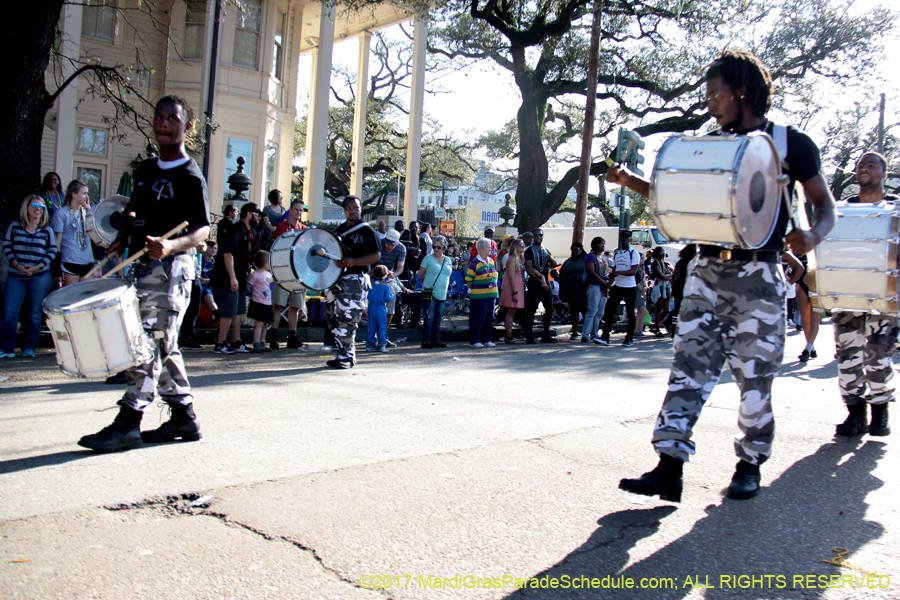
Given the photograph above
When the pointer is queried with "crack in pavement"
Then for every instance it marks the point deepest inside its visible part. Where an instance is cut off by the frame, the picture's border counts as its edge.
(180, 506)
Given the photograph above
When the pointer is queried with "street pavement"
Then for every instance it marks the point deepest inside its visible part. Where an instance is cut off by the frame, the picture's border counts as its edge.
(457, 473)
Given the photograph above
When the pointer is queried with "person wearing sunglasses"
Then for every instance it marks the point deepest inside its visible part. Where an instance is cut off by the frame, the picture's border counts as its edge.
(435, 277)
(29, 246)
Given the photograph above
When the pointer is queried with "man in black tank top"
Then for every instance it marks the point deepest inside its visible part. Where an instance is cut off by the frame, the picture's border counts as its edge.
(733, 307)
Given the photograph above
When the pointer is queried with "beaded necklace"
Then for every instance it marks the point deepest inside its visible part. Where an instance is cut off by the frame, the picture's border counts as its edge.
(80, 233)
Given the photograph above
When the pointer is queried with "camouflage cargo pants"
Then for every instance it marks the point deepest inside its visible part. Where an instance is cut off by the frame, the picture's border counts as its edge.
(732, 311)
(864, 345)
(164, 291)
(345, 305)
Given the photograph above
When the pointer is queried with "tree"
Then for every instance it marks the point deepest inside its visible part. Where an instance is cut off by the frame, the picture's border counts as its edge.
(651, 66)
(444, 160)
(851, 133)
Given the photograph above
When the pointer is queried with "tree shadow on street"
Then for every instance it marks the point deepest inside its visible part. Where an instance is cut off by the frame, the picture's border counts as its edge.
(816, 505)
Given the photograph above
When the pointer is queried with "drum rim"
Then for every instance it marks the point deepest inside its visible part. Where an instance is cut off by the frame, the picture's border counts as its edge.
(90, 220)
(58, 310)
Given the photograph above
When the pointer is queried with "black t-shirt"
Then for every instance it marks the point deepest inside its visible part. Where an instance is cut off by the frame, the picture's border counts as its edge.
(538, 260)
(240, 242)
(163, 198)
(359, 240)
(803, 163)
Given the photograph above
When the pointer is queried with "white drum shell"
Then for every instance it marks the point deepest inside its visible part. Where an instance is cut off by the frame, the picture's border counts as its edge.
(96, 328)
(281, 262)
(700, 187)
(856, 265)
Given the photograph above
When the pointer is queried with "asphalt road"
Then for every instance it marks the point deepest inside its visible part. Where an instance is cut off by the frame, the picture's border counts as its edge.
(438, 474)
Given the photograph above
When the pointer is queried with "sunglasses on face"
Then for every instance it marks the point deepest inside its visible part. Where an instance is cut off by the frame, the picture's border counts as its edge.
(437, 247)
(37, 205)
(522, 246)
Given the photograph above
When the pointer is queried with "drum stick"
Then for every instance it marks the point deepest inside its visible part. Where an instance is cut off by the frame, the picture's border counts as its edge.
(321, 252)
(783, 181)
(99, 266)
(143, 251)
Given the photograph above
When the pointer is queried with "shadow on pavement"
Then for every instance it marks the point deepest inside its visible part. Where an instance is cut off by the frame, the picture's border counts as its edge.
(43, 460)
(817, 504)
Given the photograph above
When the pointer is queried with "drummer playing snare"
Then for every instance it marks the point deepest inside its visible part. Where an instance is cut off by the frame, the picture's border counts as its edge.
(167, 191)
(733, 307)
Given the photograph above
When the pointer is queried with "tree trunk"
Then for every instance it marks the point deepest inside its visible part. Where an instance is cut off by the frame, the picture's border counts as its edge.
(531, 193)
(30, 31)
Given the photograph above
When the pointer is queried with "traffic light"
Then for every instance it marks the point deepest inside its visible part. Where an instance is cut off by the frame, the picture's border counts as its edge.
(635, 158)
(622, 146)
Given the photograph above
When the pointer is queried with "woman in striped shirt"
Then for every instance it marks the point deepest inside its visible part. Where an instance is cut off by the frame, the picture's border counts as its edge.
(29, 246)
(482, 281)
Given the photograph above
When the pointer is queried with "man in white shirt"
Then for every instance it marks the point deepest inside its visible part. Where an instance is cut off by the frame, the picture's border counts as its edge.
(626, 261)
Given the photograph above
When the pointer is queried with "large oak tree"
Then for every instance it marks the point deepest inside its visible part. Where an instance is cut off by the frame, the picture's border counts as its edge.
(652, 58)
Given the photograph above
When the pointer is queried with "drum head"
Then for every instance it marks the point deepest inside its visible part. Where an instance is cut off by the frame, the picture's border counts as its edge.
(756, 190)
(85, 294)
(311, 262)
(102, 221)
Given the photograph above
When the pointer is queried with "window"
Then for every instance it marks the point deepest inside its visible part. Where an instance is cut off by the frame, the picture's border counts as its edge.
(271, 158)
(246, 34)
(194, 28)
(92, 177)
(238, 147)
(92, 141)
(98, 19)
(279, 44)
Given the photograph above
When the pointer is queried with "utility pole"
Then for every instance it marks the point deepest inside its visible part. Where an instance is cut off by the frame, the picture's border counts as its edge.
(587, 132)
(881, 126)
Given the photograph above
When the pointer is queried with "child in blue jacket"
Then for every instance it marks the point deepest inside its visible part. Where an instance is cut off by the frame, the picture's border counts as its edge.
(378, 297)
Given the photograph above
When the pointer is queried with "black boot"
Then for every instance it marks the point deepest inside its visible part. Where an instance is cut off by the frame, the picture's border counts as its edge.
(663, 481)
(125, 432)
(273, 339)
(182, 424)
(879, 424)
(855, 424)
(293, 341)
(745, 482)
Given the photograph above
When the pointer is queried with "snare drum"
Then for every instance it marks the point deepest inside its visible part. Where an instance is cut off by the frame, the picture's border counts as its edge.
(96, 328)
(855, 267)
(720, 190)
(102, 221)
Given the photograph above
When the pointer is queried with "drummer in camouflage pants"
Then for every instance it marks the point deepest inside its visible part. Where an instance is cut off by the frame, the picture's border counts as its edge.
(168, 190)
(733, 307)
(346, 301)
(865, 342)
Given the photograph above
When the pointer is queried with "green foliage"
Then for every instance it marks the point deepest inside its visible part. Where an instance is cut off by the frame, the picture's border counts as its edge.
(651, 66)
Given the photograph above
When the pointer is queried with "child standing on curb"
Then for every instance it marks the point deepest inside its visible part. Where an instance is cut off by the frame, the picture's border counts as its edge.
(260, 310)
(378, 297)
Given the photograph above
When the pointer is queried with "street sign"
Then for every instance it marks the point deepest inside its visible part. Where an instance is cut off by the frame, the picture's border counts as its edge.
(448, 228)
(439, 212)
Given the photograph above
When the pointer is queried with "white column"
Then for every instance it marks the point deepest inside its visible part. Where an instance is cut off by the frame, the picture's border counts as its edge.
(357, 161)
(70, 41)
(414, 138)
(317, 122)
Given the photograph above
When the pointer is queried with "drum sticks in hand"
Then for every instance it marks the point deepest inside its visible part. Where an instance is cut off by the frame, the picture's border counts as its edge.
(143, 251)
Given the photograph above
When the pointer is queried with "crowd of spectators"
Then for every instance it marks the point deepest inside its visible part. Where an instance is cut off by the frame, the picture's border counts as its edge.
(507, 282)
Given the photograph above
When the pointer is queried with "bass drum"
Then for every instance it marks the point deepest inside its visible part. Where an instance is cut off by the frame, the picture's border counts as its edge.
(102, 221)
(856, 266)
(314, 255)
(96, 328)
(720, 190)
(281, 264)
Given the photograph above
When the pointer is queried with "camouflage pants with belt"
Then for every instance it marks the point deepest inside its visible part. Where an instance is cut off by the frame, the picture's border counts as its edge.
(864, 345)
(164, 291)
(345, 305)
(732, 311)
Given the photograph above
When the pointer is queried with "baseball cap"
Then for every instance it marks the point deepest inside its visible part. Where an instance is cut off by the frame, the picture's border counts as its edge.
(527, 234)
(392, 236)
(250, 207)
(624, 232)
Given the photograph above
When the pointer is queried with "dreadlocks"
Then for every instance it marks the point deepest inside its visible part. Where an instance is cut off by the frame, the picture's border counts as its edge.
(739, 69)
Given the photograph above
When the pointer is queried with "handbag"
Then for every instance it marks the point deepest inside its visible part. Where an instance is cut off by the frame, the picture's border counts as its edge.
(427, 294)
